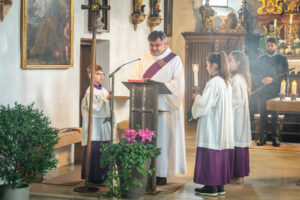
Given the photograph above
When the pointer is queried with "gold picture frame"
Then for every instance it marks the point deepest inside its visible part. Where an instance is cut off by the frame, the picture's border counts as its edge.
(47, 34)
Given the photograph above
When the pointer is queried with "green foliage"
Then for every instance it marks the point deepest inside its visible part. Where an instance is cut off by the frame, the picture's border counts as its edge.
(296, 45)
(26, 144)
(126, 158)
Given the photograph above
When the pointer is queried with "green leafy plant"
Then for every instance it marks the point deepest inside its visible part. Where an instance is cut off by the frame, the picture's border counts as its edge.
(26, 144)
(127, 158)
(296, 44)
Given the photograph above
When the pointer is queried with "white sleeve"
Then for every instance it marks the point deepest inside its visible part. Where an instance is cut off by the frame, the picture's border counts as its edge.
(137, 72)
(98, 100)
(238, 95)
(204, 103)
(176, 86)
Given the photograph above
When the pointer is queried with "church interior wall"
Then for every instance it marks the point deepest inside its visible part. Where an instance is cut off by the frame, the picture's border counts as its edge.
(56, 91)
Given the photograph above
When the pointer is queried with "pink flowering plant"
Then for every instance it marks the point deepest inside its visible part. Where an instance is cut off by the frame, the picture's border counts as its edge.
(127, 159)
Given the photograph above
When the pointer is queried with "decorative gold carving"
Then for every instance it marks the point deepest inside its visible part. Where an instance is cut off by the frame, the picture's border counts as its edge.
(155, 8)
(138, 14)
(269, 7)
(153, 22)
(138, 6)
(206, 18)
(293, 33)
(292, 5)
(231, 25)
(271, 30)
(137, 18)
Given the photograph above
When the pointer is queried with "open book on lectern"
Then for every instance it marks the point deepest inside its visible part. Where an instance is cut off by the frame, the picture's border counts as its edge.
(162, 88)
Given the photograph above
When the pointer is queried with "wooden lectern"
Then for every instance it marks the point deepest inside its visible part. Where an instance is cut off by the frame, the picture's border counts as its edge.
(144, 111)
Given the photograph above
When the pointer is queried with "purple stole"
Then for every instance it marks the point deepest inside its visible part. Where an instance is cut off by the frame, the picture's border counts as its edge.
(155, 67)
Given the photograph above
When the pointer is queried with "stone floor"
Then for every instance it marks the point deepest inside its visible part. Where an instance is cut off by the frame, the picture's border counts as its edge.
(273, 175)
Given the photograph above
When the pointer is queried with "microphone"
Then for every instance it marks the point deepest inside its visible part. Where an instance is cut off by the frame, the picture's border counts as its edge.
(122, 66)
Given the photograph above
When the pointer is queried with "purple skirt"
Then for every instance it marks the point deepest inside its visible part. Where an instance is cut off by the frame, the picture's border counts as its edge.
(97, 175)
(212, 167)
(239, 161)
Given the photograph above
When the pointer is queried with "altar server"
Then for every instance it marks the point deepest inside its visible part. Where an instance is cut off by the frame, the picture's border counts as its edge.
(101, 126)
(215, 128)
(162, 65)
(241, 87)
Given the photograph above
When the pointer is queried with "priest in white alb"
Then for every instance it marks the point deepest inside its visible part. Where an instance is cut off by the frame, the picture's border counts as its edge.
(162, 65)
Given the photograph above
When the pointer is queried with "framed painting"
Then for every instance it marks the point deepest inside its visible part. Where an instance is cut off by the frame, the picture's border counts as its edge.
(102, 18)
(47, 34)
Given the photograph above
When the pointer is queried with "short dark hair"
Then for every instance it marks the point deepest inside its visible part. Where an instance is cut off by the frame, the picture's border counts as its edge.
(272, 40)
(97, 68)
(154, 35)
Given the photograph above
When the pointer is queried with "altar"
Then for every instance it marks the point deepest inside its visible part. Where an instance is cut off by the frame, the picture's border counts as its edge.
(287, 111)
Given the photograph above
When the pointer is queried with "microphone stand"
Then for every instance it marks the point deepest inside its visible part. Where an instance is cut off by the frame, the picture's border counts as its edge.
(112, 76)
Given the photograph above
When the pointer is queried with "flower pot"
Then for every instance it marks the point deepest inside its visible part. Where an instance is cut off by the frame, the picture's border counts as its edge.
(134, 191)
(20, 193)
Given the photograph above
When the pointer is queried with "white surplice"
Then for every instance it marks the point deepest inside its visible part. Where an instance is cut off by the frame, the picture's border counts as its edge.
(171, 138)
(241, 114)
(214, 110)
(101, 110)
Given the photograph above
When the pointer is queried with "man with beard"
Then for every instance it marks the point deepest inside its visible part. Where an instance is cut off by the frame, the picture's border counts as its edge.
(268, 73)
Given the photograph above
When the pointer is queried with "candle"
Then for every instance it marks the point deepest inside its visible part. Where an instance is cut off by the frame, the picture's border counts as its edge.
(291, 19)
(256, 116)
(275, 24)
(195, 70)
(294, 87)
(283, 86)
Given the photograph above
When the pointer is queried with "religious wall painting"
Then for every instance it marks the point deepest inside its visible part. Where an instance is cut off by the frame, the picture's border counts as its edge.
(4, 7)
(102, 18)
(47, 34)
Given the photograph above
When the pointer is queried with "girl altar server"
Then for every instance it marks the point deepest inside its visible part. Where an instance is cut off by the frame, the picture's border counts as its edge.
(215, 128)
(101, 132)
(241, 87)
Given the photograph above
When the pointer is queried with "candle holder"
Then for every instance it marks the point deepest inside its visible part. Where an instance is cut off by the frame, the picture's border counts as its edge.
(280, 119)
(256, 119)
(293, 97)
(282, 96)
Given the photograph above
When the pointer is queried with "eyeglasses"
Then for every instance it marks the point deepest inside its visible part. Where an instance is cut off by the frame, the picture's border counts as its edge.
(100, 73)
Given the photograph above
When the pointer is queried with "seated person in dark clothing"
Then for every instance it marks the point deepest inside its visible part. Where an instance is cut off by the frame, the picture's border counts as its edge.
(269, 72)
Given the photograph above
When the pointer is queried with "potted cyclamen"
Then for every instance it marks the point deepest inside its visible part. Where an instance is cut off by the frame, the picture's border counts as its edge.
(130, 160)
(26, 149)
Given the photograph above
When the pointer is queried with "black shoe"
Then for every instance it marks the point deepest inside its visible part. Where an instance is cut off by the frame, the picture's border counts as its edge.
(161, 180)
(207, 191)
(221, 190)
(260, 142)
(276, 142)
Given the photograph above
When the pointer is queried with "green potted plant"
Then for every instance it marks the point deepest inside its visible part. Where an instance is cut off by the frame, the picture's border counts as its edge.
(26, 148)
(130, 160)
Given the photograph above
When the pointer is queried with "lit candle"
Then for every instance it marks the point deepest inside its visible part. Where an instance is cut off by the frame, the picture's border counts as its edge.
(291, 19)
(256, 116)
(283, 86)
(294, 87)
(195, 70)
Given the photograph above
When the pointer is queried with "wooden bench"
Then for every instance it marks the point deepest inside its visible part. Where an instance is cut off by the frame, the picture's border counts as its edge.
(68, 138)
